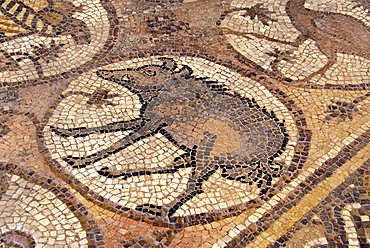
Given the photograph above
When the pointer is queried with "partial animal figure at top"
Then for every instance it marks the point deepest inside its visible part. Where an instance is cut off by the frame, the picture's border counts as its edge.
(57, 19)
(333, 32)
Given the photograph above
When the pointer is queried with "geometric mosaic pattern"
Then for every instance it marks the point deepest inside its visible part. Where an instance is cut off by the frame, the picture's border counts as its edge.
(184, 123)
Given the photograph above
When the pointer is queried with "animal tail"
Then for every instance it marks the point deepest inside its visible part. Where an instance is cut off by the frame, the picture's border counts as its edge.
(26, 17)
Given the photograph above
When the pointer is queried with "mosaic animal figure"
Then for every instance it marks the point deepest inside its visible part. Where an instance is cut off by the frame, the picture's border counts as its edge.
(50, 22)
(329, 30)
(333, 32)
(218, 129)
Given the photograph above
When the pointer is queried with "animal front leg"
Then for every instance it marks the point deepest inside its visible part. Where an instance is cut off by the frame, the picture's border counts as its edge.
(194, 188)
(199, 159)
(203, 168)
(148, 129)
(178, 163)
(109, 128)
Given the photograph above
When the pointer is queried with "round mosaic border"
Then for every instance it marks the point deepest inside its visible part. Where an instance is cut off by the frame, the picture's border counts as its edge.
(86, 219)
(301, 153)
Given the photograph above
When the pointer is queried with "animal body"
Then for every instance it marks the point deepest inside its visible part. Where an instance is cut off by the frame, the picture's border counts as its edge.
(218, 129)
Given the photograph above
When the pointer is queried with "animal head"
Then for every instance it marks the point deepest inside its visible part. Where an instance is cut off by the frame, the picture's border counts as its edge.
(148, 77)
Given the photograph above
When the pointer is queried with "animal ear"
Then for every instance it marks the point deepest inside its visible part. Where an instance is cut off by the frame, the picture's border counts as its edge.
(168, 63)
(185, 72)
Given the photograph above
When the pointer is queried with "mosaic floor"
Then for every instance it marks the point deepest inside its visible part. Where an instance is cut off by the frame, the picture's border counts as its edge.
(184, 123)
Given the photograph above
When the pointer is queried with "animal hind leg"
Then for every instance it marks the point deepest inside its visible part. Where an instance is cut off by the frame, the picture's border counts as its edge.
(194, 188)
(296, 43)
(202, 169)
(332, 59)
(81, 35)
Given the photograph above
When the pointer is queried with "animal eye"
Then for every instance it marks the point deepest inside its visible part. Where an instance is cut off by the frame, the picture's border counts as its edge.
(150, 72)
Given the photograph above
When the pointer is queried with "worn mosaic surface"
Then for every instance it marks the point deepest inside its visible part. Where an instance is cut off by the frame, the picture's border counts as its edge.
(184, 123)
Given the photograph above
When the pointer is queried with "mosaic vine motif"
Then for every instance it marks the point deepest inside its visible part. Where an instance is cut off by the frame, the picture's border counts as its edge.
(309, 43)
(153, 115)
(42, 215)
(45, 38)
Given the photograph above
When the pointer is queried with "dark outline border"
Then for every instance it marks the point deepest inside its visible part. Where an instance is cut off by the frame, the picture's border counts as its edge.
(330, 201)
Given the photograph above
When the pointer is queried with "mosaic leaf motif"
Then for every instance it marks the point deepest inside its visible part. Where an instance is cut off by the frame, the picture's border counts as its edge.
(123, 112)
(47, 37)
(342, 110)
(323, 51)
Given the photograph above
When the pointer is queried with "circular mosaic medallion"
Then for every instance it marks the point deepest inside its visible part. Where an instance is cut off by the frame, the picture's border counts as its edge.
(303, 41)
(173, 137)
(36, 211)
(46, 38)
